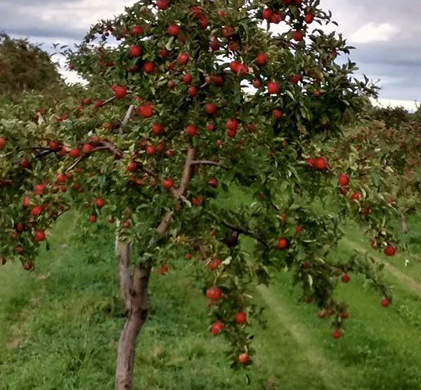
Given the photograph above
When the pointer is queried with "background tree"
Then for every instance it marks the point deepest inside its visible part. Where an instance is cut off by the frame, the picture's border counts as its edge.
(25, 66)
(169, 125)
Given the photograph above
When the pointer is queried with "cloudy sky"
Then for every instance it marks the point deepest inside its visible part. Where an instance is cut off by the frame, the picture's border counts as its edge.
(387, 34)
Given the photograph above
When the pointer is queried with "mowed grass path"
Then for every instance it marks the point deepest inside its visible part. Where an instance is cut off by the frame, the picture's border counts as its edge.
(59, 329)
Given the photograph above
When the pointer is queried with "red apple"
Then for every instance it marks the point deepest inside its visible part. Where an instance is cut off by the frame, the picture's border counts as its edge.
(214, 44)
(191, 130)
(149, 67)
(54, 146)
(2, 142)
(257, 83)
(214, 264)
(320, 163)
(240, 317)
(213, 183)
(173, 30)
(337, 334)
(282, 244)
(168, 183)
(243, 358)
(162, 4)
(261, 59)
(187, 78)
(192, 91)
(273, 88)
(217, 328)
(214, 293)
(150, 150)
(61, 179)
(278, 114)
(145, 111)
(75, 153)
(232, 124)
(99, 203)
(39, 189)
(308, 18)
(120, 92)
(267, 13)
(183, 58)
(36, 211)
(385, 302)
(87, 149)
(137, 30)
(164, 53)
(157, 128)
(28, 266)
(132, 167)
(39, 236)
(343, 180)
(390, 251)
(295, 78)
(135, 51)
(25, 163)
(298, 36)
(346, 278)
(211, 108)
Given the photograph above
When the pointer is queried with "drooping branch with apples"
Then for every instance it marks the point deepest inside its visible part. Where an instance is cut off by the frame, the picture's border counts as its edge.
(198, 102)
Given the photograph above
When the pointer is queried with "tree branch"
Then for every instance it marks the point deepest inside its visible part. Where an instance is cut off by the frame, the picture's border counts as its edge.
(240, 230)
(205, 162)
(126, 119)
(187, 172)
(179, 193)
(105, 146)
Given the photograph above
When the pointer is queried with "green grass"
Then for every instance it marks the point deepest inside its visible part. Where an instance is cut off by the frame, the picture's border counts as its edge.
(60, 327)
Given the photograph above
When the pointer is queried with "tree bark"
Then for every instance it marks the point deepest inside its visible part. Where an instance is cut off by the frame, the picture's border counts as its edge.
(123, 254)
(138, 314)
(404, 223)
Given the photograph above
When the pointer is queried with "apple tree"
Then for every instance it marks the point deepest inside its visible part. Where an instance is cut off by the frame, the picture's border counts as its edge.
(186, 102)
(25, 66)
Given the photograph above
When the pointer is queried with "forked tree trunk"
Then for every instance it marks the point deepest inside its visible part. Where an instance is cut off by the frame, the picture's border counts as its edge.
(134, 288)
(138, 313)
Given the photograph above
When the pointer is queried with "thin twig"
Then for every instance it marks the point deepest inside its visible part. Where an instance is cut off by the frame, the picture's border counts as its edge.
(108, 101)
(126, 119)
(147, 170)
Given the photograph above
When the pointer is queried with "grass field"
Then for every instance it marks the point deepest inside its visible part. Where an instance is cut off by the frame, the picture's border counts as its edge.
(59, 328)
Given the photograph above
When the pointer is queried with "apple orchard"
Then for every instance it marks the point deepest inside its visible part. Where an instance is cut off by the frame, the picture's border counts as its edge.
(188, 101)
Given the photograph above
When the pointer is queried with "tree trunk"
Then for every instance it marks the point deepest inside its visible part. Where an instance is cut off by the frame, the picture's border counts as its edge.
(138, 313)
(134, 289)
(123, 255)
(404, 223)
